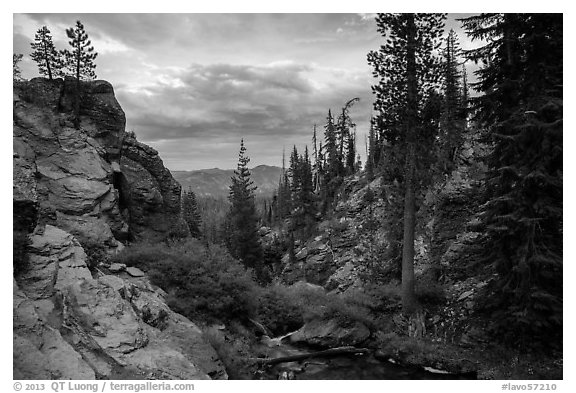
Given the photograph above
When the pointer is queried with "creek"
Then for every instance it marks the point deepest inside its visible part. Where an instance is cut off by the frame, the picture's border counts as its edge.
(349, 367)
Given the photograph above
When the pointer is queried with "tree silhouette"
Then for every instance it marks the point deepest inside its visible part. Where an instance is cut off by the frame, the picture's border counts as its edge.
(79, 62)
(44, 53)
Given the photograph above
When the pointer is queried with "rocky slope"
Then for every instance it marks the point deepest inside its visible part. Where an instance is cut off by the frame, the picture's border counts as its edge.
(79, 189)
(71, 324)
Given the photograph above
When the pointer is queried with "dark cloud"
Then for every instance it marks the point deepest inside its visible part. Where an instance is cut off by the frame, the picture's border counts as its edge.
(218, 100)
(192, 85)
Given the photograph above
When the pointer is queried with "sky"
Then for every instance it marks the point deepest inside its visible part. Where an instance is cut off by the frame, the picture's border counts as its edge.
(193, 85)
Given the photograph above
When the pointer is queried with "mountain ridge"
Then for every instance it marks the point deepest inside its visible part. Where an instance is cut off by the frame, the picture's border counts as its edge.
(214, 182)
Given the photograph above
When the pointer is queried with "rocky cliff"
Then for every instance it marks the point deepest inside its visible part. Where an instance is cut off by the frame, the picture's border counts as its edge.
(96, 182)
(75, 189)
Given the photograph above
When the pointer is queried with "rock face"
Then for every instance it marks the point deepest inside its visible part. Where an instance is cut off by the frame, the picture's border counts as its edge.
(331, 334)
(151, 195)
(71, 325)
(78, 188)
(73, 178)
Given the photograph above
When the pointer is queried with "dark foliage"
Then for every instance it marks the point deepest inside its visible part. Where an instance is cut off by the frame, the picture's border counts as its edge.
(521, 106)
(202, 283)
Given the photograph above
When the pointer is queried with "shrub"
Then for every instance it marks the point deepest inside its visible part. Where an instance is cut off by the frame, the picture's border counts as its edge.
(283, 308)
(278, 310)
(95, 253)
(202, 283)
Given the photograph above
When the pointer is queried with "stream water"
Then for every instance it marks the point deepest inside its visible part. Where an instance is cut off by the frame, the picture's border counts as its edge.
(352, 367)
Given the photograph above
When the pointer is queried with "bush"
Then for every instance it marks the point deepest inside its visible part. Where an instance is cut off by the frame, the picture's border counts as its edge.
(284, 308)
(202, 283)
(95, 253)
(278, 310)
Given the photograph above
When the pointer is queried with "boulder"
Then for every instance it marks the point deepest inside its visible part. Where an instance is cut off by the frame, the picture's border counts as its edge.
(117, 267)
(134, 272)
(331, 333)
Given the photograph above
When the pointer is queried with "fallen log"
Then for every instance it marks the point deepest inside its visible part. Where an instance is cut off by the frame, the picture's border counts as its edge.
(320, 354)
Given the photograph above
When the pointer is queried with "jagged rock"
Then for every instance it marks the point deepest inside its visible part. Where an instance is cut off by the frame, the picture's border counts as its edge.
(69, 167)
(135, 272)
(152, 194)
(330, 333)
(72, 178)
(39, 351)
(344, 278)
(56, 259)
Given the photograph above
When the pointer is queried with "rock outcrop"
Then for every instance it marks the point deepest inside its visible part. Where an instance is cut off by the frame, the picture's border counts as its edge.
(74, 189)
(69, 324)
(72, 178)
(151, 196)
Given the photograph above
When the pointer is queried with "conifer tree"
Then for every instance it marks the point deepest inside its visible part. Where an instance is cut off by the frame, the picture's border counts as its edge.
(44, 53)
(370, 153)
(191, 213)
(407, 68)
(453, 123)
(243, 238)
(521, 106)
(16, 72)
(79, 62)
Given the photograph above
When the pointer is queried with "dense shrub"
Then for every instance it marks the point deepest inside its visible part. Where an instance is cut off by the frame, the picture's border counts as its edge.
(202, 283)
(96, 253)
(284, 308)
(279, 310)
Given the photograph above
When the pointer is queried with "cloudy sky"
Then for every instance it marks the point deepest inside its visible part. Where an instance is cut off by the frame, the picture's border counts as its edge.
(192, 85)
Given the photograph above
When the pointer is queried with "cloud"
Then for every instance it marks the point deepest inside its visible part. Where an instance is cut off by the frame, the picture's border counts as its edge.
(271, 105)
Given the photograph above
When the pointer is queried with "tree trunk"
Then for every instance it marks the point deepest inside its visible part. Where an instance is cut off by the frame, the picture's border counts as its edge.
(77, 90)
(320, 354)
(408, 296)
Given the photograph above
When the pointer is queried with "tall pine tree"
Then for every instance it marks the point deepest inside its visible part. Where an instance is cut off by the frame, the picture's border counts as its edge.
(79, 62)
(243, 239)
(407, 68)
(191, 213)
(521, 107)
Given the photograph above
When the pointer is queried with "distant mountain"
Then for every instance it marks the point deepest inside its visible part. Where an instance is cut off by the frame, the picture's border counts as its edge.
(215, 182)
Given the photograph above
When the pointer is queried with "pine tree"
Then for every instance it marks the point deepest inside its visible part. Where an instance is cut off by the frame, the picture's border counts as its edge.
(408, 69)
(370, 153)
(191, 213)
(521, 106)
(16, 72)
(44, 53)
(453, 123)
(79, 62)
(243, 238)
